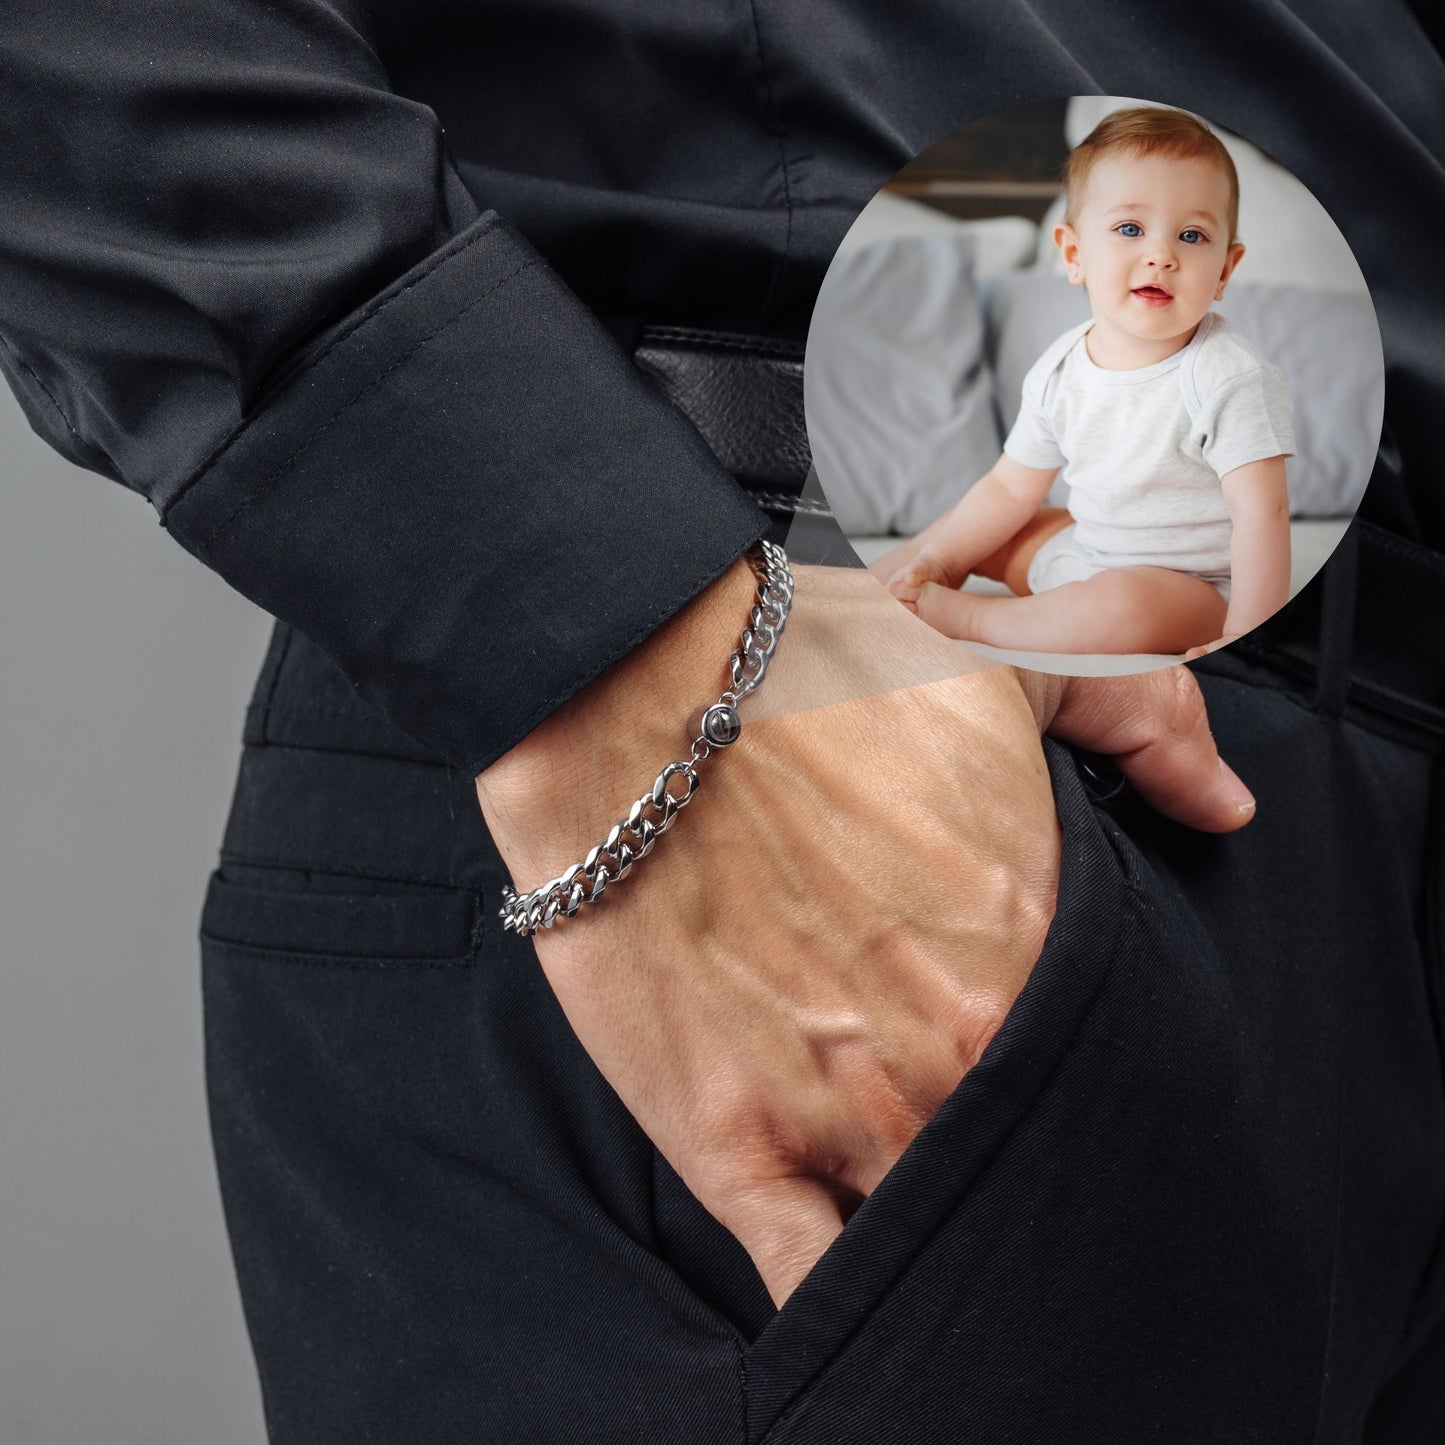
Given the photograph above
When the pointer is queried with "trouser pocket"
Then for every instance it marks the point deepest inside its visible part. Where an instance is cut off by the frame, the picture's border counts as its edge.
(788, 1351)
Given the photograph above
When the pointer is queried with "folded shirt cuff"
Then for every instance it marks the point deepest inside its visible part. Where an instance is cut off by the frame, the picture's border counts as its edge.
(469, 497)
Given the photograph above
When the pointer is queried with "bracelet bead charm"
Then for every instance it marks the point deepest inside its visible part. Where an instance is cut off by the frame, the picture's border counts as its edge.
(650, 816)
(721, 725)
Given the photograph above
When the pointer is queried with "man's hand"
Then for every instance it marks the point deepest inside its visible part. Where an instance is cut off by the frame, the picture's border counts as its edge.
(788, 987)
(1153, 727)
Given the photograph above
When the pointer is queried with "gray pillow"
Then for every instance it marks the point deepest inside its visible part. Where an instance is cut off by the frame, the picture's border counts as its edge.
(896, 385)
(1327, 345)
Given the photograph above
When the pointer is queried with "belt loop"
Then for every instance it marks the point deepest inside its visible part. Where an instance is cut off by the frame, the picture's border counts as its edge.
(1337, 626)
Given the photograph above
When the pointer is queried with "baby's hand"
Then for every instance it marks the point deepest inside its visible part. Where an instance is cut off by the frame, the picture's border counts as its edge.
(1212, 646)
(907, 582)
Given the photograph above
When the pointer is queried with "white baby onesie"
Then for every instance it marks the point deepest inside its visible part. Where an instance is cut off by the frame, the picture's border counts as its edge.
(1142, 451)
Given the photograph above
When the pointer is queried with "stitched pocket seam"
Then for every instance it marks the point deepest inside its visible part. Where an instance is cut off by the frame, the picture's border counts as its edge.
(339, 960)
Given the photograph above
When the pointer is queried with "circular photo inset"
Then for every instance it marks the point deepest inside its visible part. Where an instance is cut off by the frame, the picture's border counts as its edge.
(1094, 385)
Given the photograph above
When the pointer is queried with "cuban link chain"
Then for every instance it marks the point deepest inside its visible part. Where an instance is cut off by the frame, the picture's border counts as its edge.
(632, 837)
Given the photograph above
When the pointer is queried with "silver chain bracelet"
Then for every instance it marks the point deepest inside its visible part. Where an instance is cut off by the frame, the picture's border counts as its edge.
(653, 813)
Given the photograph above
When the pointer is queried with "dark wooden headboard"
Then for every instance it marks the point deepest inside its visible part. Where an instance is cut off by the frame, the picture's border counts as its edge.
(1005, 164)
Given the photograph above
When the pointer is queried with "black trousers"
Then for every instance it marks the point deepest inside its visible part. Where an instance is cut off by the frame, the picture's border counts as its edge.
(1192, 1192)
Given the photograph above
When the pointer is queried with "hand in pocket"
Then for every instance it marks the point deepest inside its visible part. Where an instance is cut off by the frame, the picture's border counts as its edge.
(791, 984)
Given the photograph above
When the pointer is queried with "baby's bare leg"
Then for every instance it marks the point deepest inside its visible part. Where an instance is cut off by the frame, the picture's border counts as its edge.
(1127, 609)
(1010, 564)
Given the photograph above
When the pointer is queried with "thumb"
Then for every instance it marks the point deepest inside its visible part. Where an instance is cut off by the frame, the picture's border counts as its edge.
(785, 1228)
(1155, 729)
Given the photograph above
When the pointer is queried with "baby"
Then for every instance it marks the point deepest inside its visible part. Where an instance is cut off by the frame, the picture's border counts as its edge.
(1171, 430)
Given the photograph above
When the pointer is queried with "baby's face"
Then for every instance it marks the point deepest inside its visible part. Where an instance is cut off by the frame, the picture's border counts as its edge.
(1151, 244)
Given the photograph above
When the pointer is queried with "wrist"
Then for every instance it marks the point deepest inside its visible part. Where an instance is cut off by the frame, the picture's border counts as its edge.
(561, 787)
(549, 799)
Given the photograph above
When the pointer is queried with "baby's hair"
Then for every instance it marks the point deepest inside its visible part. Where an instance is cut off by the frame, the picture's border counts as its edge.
(1148, 130)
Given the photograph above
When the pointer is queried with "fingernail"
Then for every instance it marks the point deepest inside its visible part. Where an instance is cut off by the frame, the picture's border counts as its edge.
(1239, 795)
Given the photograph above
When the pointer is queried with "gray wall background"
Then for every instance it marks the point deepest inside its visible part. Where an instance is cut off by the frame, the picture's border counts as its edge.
(125, 667)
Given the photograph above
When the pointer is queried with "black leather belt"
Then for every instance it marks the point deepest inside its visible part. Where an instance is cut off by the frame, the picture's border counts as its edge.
(1365, 637)
(745, 395)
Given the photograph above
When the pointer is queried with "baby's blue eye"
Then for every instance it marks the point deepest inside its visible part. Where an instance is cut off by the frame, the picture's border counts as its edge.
(1192, 236)
(1129, 228)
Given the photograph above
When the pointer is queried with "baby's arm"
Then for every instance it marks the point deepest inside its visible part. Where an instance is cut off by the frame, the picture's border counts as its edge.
(987, 515)
(1259, 558)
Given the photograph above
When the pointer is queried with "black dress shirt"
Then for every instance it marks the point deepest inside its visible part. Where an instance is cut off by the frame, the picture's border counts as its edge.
(323, 279)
